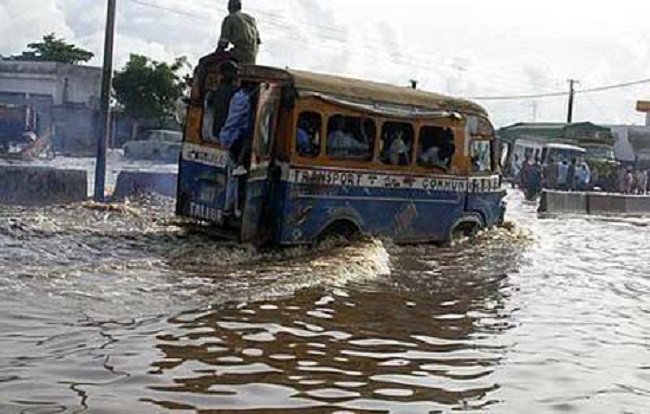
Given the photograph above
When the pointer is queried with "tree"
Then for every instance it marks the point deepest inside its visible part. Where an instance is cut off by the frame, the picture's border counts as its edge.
(146, 89)
(52, 49)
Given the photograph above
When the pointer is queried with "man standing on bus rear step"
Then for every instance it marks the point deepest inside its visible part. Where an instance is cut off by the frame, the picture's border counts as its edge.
(240, 30)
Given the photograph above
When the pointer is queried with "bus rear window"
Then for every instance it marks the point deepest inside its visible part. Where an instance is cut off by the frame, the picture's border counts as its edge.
(350, 137)
(308, 132)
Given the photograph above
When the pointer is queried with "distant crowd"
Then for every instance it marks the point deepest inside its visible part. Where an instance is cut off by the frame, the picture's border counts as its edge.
(577, 175)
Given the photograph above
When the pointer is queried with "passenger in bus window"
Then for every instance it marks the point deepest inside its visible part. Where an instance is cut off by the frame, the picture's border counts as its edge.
(217, 102)
(350, 137)
(399, 151)
(437, 147)
(308, 134)
(397, 143)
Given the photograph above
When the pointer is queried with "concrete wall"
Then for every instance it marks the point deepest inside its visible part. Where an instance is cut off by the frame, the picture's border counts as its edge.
(563, 202)
(593, 203)
(30, 186)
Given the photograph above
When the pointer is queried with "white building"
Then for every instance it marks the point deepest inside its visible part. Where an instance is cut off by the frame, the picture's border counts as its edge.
(65, 96)
(632, 145)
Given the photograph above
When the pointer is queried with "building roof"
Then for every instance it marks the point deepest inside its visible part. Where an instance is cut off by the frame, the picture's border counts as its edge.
(577, 133)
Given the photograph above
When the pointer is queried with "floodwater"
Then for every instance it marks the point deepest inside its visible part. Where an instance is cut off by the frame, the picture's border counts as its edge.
(115, 310)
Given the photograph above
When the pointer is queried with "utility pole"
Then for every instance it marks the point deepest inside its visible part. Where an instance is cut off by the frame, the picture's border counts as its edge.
(572, 92)
(105, 105)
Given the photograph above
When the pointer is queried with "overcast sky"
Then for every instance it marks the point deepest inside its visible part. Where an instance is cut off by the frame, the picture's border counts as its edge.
(463, 47)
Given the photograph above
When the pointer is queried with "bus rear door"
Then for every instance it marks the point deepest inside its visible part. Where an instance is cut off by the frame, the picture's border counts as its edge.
(256, 226)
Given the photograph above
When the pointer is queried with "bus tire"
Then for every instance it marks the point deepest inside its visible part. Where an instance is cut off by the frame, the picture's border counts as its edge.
(467, 226)
(339, 229)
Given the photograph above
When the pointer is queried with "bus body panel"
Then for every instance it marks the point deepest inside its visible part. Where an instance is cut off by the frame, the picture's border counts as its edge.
(202, 183)
(390, 213)
(406, 208)
(256, 226)
(201, 191)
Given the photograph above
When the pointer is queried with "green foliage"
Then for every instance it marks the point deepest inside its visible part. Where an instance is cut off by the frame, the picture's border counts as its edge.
(148, 89)
(52, 49)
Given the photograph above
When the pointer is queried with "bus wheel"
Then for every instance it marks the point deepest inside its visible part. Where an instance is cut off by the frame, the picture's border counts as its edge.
(466, 229)
(339, 231)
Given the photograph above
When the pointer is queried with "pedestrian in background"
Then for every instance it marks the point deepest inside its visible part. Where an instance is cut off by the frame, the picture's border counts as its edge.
(571, 175)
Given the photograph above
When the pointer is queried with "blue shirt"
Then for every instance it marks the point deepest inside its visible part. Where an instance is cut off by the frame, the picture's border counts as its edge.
(238, 122)
(304, 144)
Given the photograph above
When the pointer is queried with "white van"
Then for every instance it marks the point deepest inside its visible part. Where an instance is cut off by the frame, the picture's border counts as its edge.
(545, 153)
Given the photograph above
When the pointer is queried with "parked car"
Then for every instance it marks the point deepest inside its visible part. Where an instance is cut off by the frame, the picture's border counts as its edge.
(157, 145)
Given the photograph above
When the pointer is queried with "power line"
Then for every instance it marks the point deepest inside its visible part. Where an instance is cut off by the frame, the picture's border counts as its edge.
(336, 34)
(397, 58)
(616, 86)
(519, 97)
(557, 94)
(171, 9)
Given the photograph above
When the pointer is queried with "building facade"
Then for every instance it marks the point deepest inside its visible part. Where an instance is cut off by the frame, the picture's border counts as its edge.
(66, 98)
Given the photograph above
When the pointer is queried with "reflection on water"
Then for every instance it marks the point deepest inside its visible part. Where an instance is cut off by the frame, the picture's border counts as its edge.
(121, 310)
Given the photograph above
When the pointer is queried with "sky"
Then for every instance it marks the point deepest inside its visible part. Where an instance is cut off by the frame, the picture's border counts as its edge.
(465, 48)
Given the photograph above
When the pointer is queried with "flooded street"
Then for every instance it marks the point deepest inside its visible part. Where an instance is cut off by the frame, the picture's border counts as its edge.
(122, 310)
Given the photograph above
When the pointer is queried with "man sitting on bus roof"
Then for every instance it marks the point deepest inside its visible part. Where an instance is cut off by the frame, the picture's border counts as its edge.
(240, 30)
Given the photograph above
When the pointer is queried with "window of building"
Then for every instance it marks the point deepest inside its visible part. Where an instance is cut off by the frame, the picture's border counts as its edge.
(481, 155)
(397, 143)
(351, 137)
(436, 148)
(308, 132)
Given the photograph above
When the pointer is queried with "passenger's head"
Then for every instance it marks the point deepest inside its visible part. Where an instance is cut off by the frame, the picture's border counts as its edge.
(229, 71)
(234, 6)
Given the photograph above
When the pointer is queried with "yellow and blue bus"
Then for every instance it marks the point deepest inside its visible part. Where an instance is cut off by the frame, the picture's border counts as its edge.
(331, 155)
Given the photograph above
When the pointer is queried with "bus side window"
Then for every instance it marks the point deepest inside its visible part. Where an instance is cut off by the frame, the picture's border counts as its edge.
(308, 133)
(481, 155)
(397, 143)
(351, 137)
(436, 148)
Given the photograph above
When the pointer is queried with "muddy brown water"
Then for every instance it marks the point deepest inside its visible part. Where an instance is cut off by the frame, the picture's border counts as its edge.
(121, 310)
